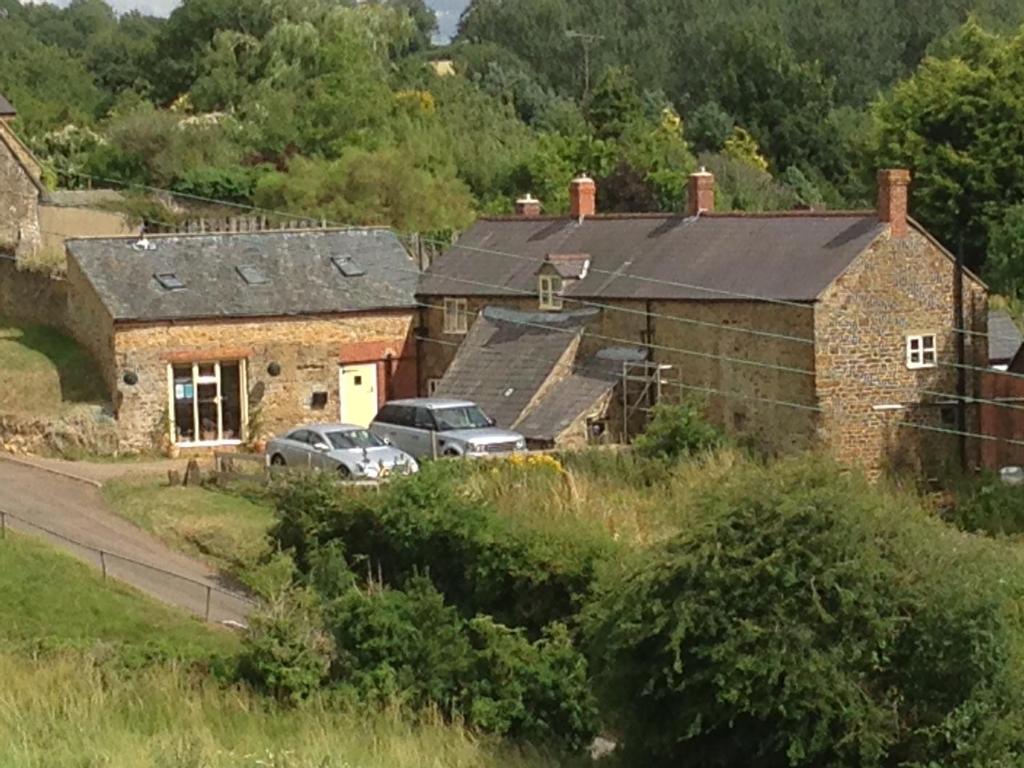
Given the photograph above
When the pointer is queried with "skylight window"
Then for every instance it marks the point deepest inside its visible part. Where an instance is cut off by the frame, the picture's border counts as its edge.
(169, 281)
(252, 275)
(348, 266)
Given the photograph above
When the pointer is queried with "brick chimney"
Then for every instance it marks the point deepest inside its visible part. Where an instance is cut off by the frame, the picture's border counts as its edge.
(528, 206)
(700, 194)
(582, 197)
(892, 199)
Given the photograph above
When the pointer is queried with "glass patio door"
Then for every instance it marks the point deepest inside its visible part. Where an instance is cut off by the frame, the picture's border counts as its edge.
(207, 400)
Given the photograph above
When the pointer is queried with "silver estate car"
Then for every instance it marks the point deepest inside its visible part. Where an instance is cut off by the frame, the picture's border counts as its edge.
(427, 426)
(351, 452)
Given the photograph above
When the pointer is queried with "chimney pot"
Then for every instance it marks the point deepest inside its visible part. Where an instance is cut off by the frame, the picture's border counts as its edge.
(528, 206)
(892, 200)
(700, 196)
(582, 197)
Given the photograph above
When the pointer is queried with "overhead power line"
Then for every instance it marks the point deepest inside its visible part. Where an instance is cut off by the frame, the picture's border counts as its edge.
(807, 306)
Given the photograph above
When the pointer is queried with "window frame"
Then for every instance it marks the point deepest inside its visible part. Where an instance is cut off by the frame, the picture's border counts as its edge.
(917, 351)
(549, 291)
(216, 379)
(456, 316)
(432, 385)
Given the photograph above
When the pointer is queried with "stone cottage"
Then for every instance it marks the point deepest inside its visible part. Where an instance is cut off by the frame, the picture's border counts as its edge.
(214, 340)
(34, 221)
(802, 329)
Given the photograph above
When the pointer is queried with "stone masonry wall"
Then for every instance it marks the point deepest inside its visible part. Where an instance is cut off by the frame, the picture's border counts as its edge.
(751, 362)
(898, 287)
(308, 350)
(32, 297)
(91, 325)
(19, 199)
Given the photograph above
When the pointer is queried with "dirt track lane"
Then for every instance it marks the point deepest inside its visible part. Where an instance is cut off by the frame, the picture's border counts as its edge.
(77, 510)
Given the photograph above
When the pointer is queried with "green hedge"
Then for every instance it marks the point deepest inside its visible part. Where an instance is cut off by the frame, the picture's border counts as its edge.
(482, 562)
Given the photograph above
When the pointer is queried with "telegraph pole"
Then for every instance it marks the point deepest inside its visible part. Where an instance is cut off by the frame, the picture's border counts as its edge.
(586, 39)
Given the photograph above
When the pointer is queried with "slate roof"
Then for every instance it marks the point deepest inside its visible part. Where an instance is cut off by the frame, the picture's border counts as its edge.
(506, 359)
(565, 402)
(791, 256)
(1004, 337)
(6, 108)
(300, 276)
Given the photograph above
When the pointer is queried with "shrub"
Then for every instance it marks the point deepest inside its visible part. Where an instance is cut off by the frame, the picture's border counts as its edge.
(408, 647)
(806, 619)
(286, 652)
(676, 431)
(399, 646)
(992, 507)
(482, 562)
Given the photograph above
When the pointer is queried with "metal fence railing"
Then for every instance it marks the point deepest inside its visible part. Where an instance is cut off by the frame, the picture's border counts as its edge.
(213, 603)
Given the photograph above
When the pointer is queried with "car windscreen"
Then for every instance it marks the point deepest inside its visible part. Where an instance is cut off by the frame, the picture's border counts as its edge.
(354, 438)
(460, 417)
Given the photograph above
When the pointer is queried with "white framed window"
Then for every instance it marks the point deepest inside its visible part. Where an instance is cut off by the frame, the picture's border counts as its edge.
(456, 315)
(921, 351)
(207, 402)
(549, 287)
(432, 386)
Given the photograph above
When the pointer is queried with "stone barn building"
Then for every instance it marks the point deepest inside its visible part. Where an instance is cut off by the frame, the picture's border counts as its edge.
(216, 340)
(802, 329)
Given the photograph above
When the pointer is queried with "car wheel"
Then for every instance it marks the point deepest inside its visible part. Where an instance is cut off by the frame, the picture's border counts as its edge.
(344, 472)
(277, 460)
(452, 453)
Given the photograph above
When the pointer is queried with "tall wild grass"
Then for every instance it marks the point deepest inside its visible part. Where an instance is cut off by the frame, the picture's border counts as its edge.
(65, 712)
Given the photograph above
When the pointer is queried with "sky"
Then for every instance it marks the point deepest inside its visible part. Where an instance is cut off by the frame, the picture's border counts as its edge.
(447, 11)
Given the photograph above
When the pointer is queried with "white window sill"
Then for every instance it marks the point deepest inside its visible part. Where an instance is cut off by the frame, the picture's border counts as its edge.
(921, 366)
(209, 444)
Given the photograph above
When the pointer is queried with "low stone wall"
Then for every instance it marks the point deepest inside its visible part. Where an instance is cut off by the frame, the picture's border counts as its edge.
(85, 432)
(32, 297)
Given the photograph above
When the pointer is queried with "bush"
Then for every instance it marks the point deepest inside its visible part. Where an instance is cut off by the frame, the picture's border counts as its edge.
(482, 562)
(286, 652)
(676, 431)
(408, 647)
(993, 508)
(806, 620)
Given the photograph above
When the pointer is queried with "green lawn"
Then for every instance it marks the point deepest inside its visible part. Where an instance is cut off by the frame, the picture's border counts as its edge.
(50, 600)
(43, 372)
(225, 529)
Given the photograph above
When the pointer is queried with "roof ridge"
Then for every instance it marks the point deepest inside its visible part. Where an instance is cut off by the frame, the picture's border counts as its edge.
(184, 235)
(795, 214)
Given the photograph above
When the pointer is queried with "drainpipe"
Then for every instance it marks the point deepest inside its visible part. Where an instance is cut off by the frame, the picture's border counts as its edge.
(961, 355)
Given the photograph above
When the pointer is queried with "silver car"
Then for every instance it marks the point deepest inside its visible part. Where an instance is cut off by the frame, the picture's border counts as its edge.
(351, 452)
(433, 426)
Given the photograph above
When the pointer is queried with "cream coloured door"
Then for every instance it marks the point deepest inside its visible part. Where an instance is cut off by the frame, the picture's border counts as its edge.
(358, 388)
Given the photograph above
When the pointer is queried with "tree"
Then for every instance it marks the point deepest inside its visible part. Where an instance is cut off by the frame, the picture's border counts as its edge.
(809, 619)
(1004, 266)
(954, 124)
(369, 187)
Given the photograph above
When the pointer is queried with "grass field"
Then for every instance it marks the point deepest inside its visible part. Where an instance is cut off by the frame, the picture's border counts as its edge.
(49, 600)
(226, 529)
(43, 372)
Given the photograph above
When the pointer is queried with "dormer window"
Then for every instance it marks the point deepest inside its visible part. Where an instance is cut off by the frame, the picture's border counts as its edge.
(549, 287)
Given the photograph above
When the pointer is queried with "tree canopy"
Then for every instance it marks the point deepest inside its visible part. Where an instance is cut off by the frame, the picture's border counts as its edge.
(791, 103)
